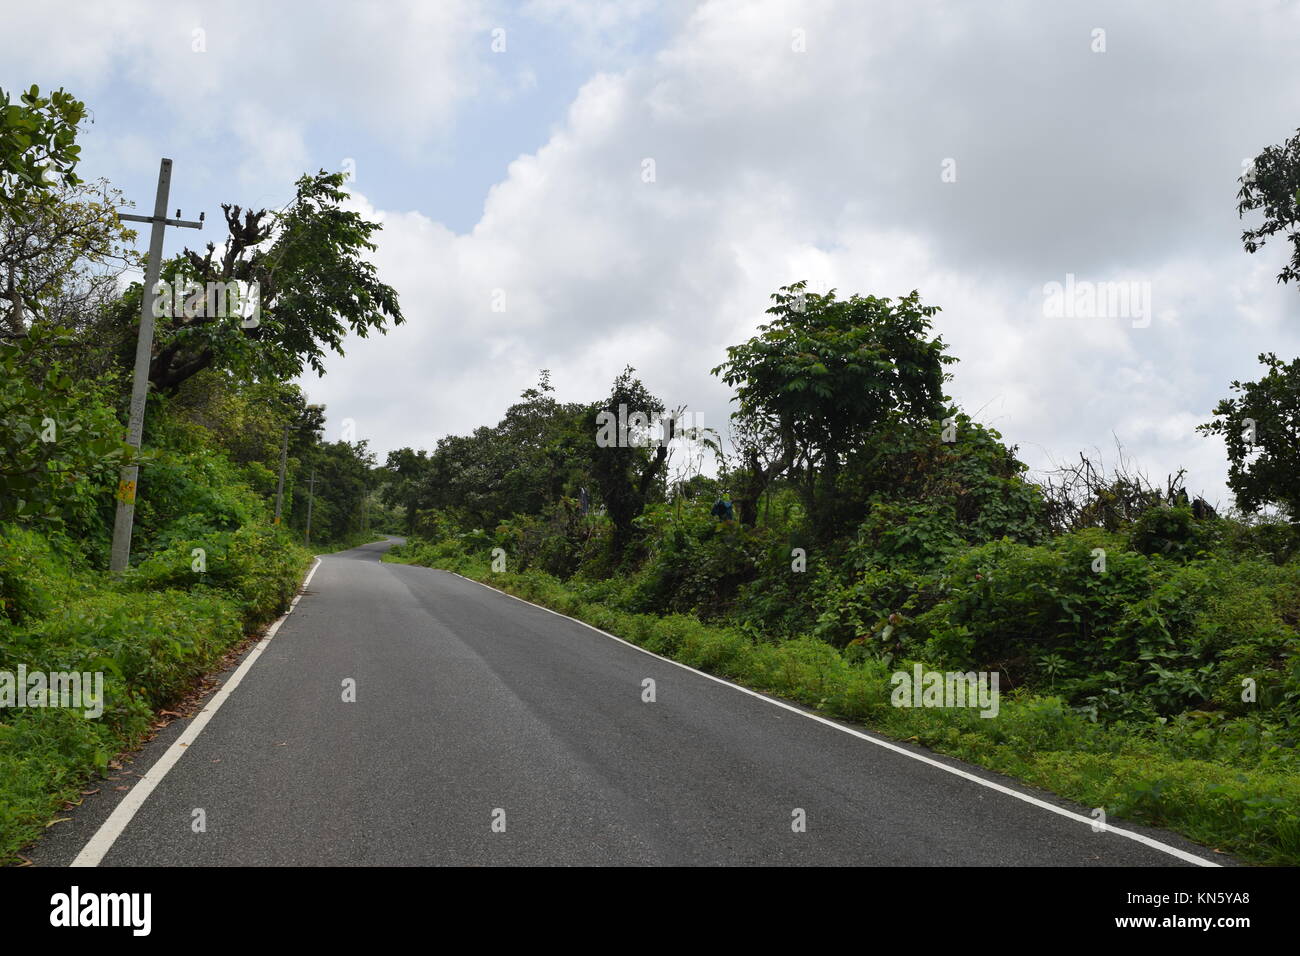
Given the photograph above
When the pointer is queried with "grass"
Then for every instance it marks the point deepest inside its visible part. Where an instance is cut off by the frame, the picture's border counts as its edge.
(153, 634)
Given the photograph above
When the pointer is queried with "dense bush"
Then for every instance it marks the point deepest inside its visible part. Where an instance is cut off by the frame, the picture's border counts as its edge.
(151, 633)
(31, 572)
(258, 566)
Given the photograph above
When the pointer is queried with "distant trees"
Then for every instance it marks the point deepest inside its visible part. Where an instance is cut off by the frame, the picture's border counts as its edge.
(344, 479)
(534, 456)
(404, 471)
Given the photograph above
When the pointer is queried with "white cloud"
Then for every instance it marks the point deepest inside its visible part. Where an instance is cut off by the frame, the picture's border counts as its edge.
(772, 165)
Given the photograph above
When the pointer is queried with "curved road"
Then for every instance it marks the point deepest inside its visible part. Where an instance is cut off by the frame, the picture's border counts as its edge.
(473, 708)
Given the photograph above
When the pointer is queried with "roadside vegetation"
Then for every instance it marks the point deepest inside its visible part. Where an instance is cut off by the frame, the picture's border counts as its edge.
(210, 567)
(854, 523)
(851, 524)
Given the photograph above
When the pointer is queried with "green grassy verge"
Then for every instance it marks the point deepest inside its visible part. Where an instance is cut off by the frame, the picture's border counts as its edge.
(152, 634)
(1243, 799)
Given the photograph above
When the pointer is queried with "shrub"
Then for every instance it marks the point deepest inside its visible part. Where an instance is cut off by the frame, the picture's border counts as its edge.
(30, 575)
(258, 565)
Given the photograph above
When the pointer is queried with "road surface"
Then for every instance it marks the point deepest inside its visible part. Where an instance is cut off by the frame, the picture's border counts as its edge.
(488, 731)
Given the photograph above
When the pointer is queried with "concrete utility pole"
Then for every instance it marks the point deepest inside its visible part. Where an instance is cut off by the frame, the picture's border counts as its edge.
(279, 488)
(311, 494)
(126, 485)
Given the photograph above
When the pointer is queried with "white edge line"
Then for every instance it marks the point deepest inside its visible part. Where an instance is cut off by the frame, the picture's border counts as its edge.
(99, 844)
(956, 771)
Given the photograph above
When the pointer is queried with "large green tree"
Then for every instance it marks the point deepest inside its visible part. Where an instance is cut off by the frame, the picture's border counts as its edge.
(818, 380)
(314, 282)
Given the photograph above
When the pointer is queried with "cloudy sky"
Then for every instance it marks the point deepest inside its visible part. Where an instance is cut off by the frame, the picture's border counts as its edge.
(976, 152)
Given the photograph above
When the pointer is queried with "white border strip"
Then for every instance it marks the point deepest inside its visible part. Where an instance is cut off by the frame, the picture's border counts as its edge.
(956, 771)
(99, 845)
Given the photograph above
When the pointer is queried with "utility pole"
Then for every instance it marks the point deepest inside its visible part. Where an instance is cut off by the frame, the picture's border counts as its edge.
(279, 488)
(311, 494)
(126, 485)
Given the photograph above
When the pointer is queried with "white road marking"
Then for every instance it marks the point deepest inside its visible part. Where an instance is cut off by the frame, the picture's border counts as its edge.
(99, 844)
(956, 771)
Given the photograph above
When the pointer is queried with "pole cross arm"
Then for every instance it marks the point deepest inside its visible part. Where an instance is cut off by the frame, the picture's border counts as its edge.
(184, 223)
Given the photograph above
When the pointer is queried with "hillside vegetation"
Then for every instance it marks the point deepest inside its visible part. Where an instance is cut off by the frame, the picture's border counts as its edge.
(1146, 648)
(209, 564)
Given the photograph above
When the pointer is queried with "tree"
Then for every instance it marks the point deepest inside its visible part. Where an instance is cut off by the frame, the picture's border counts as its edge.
(54, 256)
(37, 147)
(820, 378)
(343, 481)
(1261, 428)
(313, 285)
(1273, 185)
(627, 464)
(534, 456)
(405, 470)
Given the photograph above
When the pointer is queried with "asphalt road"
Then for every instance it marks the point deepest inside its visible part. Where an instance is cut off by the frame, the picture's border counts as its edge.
(473, 708)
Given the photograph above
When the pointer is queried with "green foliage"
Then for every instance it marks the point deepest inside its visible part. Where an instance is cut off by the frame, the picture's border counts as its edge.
(626, 470)
(957, 466)
(184, 493)
(694, 562)
(1273, 187)
(1173, 533)
(1261, 428)
(315, 284)
(60, 442)
(824, 375)
(257, 565)
(30, 574)
(558, 541)
(37, 146)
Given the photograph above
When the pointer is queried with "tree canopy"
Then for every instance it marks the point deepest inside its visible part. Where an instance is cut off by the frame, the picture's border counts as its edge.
(1272, 185)
(314, 285)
